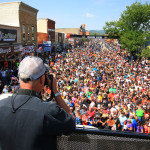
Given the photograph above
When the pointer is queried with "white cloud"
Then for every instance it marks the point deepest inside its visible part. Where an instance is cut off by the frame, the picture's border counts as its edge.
(88, 15)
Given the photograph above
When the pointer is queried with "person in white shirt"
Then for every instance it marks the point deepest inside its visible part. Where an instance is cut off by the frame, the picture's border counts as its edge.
(5, 90)
(122, 119)
(113, 109)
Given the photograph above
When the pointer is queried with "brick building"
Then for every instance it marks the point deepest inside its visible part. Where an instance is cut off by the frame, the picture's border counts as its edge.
(23, 16)
(46, 32)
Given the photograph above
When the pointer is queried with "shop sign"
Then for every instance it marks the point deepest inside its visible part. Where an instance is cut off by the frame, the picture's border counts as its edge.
(18, 48)
(8, 35)
(46, 46)
(47, 43)
(6, 50)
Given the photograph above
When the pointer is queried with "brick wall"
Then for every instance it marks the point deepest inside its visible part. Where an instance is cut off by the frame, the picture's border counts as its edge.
(42, 37)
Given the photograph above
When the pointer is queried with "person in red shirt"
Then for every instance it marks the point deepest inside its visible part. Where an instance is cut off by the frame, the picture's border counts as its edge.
(90, 113)
(47, 89)
(111, 95)
(84, 119)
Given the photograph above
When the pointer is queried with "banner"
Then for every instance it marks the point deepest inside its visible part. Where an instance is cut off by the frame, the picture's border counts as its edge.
(47, 49)
(29, 49)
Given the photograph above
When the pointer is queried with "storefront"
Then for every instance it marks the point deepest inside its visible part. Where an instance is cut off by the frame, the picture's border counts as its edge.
(10, 46)
(28, 50)
(10, 55)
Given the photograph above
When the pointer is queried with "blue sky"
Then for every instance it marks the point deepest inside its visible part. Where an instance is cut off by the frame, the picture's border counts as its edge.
(73, 13)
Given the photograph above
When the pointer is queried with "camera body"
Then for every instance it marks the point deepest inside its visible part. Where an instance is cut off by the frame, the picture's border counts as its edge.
(50, 76)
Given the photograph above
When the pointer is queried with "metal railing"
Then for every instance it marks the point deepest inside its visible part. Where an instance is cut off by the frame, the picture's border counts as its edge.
(94, 139)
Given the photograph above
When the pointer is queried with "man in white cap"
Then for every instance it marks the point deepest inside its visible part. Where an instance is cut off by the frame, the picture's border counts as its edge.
(26, 122)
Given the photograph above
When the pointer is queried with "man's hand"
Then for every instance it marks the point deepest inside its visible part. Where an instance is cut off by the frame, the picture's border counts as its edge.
(54, 84)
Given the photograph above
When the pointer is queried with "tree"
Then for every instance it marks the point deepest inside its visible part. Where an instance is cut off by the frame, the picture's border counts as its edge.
(111, 28)
(133, 27)
(146, 53)
(133, 41)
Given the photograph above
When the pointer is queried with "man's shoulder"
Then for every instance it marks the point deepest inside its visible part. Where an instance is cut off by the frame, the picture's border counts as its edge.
(51, 108)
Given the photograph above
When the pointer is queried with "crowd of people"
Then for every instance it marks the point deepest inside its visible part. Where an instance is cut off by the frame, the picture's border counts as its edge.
(103, 86)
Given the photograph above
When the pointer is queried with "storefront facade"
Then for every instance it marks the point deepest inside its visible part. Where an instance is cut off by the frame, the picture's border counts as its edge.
(23, 17)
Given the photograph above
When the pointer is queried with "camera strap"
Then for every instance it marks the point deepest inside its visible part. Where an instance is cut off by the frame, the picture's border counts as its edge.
(13, 101)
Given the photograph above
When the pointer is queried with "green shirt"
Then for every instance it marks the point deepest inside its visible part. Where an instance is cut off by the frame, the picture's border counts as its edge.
(88, 93)
(139, 113)
(112, 89)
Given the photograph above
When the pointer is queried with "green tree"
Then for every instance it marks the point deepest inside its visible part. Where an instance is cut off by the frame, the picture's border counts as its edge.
(146, 53)
(133, 27)
(111, 28)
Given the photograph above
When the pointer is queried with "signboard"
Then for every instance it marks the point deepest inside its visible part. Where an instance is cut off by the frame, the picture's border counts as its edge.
(46, 43)
(8, 35)
(18, 48)
(11, 50)
(46, 46)
(5, 50)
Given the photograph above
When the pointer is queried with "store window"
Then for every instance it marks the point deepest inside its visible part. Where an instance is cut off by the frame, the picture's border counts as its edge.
(24, 32)
(33, 33)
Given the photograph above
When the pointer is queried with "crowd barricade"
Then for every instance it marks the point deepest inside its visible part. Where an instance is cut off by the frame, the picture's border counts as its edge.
(94, 139)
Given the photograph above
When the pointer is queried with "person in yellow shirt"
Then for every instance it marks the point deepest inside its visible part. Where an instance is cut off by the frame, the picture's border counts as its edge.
(100, 96)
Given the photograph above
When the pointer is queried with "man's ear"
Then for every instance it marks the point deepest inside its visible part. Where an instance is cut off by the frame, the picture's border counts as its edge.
(41, 79)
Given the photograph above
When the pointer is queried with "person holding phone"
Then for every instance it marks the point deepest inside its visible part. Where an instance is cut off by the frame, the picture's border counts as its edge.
(28, 123)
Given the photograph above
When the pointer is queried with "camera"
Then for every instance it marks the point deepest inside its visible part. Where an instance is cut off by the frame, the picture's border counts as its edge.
(50, 76)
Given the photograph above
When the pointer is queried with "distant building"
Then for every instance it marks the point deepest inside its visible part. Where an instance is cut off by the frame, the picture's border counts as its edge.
(69, 30)
(60, 40)
(46, 32)
(77, 31)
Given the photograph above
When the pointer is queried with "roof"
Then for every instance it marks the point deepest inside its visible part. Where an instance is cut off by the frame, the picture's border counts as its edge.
(20, 4)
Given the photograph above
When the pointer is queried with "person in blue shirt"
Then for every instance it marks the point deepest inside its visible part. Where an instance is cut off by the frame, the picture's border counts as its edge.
(135, 124)
(89, 121)
(78, 118)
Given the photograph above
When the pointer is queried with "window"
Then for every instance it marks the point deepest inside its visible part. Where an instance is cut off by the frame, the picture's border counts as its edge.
(24, 32)
(33, 33)
(28, 33)
(53, 35)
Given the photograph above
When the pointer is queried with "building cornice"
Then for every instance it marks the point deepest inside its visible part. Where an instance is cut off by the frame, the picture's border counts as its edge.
(28, 9)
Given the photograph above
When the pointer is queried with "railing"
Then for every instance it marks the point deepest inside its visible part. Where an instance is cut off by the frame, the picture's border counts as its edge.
(94, 139)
